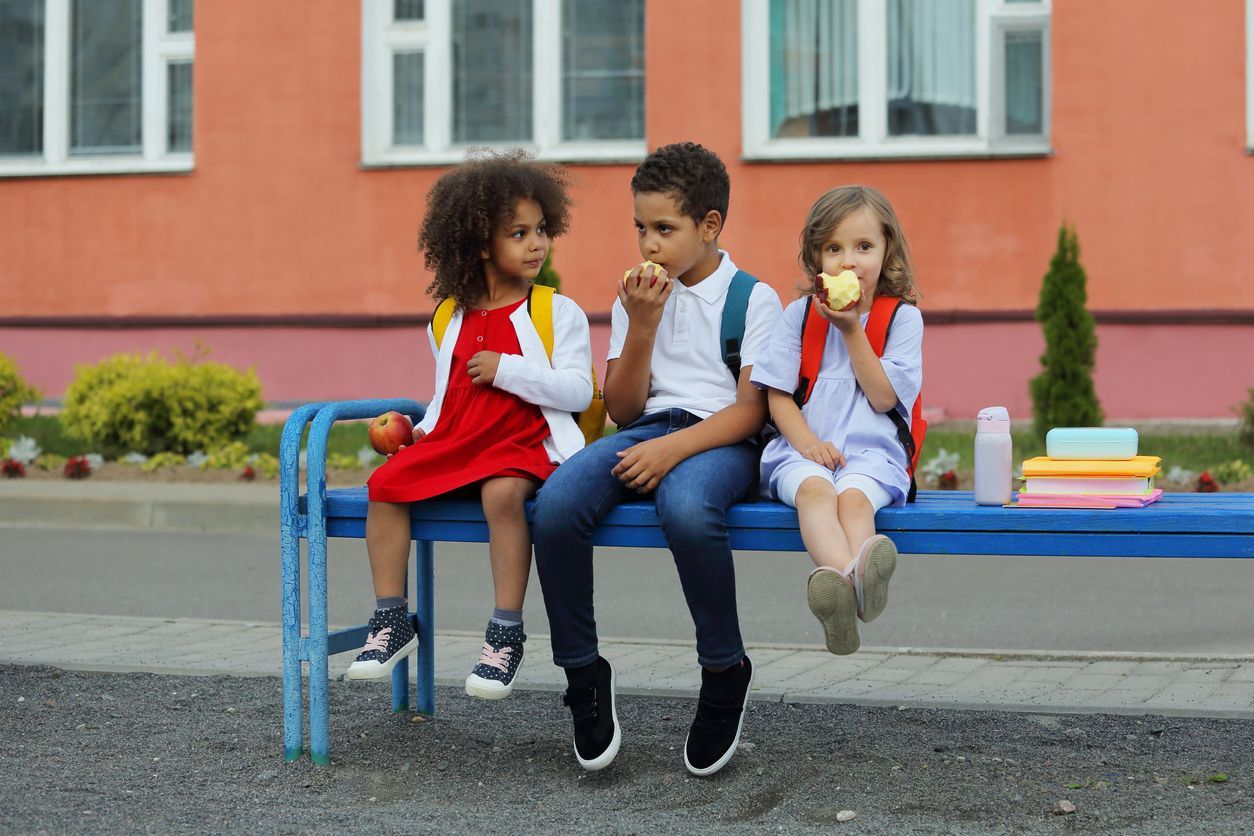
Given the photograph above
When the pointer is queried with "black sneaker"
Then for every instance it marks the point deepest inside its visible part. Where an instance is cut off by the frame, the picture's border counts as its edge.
(391, 639)
(493, 677)
(715, 731)
(591, 702)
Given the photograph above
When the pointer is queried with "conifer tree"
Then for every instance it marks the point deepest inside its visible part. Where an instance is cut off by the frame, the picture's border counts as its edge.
(1063, 393)
(548, 276)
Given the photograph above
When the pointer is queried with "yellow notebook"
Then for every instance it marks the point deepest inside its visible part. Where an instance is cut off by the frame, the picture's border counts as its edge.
(1143, 466)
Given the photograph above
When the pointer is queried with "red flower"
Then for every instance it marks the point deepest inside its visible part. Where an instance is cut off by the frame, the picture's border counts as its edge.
(947, 481)
(13, 468)
(77, 467)
(249, 474)
(1206, 483)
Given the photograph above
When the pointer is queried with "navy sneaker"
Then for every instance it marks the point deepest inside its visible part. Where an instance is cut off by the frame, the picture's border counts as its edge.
(493, 677)
(590, 698)
(391, 639)
(715, 731)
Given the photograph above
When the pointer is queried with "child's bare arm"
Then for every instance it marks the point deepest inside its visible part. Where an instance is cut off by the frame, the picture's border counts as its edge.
(643, 465)
(793, 427)
(627, 377)
(866, 366)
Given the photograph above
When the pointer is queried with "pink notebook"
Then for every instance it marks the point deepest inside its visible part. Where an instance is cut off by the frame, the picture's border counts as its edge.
(1086, 500)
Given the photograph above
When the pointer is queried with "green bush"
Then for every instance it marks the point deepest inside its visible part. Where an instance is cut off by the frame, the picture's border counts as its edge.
(1063, 393)
(1245, 426)
(150, 405)
(548, 276)
(13, 392)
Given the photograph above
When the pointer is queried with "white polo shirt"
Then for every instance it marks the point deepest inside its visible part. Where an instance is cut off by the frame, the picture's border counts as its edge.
(688, 371)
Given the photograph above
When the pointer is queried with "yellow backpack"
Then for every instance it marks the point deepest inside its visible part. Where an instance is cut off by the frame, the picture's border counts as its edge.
(540, 305)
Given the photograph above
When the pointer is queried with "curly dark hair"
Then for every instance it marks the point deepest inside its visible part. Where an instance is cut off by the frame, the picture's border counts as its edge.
(470, 202)
(692, 174)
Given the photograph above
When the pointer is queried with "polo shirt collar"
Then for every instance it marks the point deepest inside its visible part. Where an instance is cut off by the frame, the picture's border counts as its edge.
(713, 287)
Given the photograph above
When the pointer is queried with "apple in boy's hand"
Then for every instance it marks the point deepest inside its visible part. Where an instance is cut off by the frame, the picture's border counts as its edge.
(645, 265)
(389, 432)
(840, 292)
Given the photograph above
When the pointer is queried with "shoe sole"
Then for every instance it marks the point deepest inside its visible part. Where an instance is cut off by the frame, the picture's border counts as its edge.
(731, 750)
(835, 605)
(490, 689)
(607, 757)
(380, 670)
(881, 562)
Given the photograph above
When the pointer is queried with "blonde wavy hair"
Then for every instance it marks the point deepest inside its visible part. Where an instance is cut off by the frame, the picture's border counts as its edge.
(827, 213)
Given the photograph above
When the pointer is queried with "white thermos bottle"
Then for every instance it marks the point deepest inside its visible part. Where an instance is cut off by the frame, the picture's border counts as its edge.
(992, 456)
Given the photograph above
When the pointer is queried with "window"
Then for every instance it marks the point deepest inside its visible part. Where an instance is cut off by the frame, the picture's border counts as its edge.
(95, 86)
(564, 78)
(895, 78)
(1249, 75)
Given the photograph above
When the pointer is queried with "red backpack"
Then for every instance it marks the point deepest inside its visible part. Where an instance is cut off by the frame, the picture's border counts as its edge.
(814, 330)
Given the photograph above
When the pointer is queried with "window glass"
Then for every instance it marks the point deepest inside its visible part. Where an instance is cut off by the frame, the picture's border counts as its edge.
(180, 105)
(407, 98)
(180, 16)
(491, 72)
(931, 67)
(814, 68)
(602, 69)
(21, 76)
(1023, 83)
(408, 10)
(105, 76)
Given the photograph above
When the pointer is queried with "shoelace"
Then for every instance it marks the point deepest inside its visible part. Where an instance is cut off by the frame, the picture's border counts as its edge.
(378, 641)
(582, 704)
(493, 658)
(713, 718)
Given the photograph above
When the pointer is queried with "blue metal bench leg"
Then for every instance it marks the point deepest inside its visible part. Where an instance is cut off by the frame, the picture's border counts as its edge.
(424, 595)
(400, 677)
(316, 645)
(292, 690)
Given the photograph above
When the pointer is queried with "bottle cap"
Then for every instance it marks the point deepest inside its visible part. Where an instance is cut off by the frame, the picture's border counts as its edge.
(993, 419)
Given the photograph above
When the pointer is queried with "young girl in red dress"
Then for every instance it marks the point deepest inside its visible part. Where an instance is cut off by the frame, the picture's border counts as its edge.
(500, 420)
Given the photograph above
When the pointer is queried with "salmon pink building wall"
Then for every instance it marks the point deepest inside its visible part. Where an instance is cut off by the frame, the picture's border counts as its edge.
(280, 238)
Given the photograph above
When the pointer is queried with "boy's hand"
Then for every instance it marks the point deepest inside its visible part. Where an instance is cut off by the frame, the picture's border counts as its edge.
(643, 465)
(643, 297)
(482, 367)
(824, 453)
(846, 321)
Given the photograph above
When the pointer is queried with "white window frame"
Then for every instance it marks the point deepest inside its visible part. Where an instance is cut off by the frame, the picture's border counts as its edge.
(160, 48)
(382, 37)
(993, 19)
(1249, 76)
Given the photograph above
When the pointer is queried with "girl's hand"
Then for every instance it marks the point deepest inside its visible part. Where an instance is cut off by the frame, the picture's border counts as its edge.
(644, 298)
(847, 321)
(824, 453)
(643, 465)
(482, 367)
(417, 434)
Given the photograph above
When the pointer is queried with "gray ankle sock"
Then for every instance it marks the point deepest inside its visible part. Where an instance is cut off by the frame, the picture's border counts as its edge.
(507, 618)
(390, 602)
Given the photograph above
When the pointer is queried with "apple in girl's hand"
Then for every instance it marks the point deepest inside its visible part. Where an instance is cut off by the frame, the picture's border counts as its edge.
(840, 292)
(645, 265)
(389, 432)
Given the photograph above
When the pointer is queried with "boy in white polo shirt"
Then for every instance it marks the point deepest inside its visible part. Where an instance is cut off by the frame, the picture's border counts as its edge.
(687, 436)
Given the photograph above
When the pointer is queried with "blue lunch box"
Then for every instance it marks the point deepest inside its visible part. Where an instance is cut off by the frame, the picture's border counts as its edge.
(1091, 443)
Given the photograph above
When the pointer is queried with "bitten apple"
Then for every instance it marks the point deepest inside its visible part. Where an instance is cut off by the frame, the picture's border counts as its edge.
(839, 292)
(389, 432)
(644, 265)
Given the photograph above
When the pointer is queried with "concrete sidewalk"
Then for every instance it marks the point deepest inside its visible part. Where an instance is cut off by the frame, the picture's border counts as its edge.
(1192, 686)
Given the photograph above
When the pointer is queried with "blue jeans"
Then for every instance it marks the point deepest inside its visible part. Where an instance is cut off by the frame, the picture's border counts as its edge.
(692, 502)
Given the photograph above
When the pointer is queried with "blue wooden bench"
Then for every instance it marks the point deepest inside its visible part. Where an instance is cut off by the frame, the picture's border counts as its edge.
(940, 522)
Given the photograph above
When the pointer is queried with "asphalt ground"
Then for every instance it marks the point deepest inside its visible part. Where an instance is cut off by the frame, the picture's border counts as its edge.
(105, 753)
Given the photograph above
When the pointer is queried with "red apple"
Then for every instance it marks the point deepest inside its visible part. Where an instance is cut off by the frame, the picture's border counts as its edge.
(389, 432)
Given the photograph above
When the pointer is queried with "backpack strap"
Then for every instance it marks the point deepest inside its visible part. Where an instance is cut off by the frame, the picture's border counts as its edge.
(540, 306)
(883, 312)
(735, 309)
(814, 330)
(441, 318)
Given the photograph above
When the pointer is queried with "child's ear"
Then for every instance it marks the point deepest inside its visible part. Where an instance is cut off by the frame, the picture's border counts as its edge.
(711, 226)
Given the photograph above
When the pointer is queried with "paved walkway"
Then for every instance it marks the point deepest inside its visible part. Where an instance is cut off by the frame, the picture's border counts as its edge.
(1079, 683)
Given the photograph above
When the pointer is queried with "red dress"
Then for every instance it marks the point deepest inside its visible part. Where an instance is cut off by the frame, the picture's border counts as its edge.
(482, 431)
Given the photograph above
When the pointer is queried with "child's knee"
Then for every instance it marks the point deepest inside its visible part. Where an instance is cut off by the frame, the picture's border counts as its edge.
(504, 498)
(814, 490)
(853, 502)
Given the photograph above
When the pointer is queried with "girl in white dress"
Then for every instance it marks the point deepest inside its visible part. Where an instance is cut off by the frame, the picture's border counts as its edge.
(837, 459)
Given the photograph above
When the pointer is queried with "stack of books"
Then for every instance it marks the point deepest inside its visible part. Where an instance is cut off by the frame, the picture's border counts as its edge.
(1089, 483)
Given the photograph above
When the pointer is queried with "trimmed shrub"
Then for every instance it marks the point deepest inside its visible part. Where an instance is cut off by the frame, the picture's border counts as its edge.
(13, 392)
(150, 405)
(1245, 424)
(548, 276)
(1063, 393)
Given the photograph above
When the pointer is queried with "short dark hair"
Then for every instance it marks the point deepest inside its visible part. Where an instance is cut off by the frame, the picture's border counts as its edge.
(467, 205)
(692, 174)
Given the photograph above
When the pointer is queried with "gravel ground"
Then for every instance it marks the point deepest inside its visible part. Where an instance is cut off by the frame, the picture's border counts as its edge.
(105, 753)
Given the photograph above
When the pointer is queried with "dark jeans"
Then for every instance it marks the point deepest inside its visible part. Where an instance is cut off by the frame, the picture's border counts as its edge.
(692, 502)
